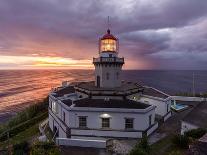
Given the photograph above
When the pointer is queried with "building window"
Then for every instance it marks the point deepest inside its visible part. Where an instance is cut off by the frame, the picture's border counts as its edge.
(54, 107)
(105, 122)
(82, 121)
(150, 120)
(63, 116)
(107, 76)
(129, 123)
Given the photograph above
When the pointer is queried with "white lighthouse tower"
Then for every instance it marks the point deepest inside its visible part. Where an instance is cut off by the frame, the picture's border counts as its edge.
(108, 65)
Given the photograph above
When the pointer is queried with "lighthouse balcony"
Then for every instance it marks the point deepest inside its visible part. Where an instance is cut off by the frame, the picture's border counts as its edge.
(108, 60)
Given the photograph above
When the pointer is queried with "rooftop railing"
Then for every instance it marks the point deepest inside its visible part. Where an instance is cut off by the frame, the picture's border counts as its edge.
(108, 59)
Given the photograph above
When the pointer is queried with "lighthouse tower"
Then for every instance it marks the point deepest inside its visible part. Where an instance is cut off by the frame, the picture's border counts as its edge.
(108, 65)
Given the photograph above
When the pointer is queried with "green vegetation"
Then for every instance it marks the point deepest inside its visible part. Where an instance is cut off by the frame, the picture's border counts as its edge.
(141, 148)
(26, 118)
(183, 141)
(170, 145)
(19, 135)
(21, 127)
(46, 148)
(196, 133)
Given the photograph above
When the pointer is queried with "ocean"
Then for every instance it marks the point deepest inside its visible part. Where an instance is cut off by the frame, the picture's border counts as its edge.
(21, 88)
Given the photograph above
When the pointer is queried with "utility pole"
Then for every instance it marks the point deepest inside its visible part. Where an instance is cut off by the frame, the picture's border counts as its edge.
(193, 84)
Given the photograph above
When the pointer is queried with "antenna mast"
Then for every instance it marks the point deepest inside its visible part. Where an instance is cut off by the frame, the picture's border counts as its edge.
(193, 84)
(108, 23)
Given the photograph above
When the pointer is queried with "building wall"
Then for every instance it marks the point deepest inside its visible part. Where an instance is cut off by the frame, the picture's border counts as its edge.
(81, 142)
(110, 97)
(94, 121)
(87, 134)
(161, 106)
(117, 120)
(185, 126)
(112, 70)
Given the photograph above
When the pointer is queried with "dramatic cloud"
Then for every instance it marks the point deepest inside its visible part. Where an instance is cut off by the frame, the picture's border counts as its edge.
(161, 34)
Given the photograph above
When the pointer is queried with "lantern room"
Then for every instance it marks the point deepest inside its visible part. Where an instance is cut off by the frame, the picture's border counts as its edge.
(108, 43)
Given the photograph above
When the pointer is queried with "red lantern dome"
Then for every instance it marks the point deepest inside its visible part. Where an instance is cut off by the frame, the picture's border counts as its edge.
(108, 36)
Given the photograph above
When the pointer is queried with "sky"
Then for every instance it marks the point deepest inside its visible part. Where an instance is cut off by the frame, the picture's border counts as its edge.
(153, 34)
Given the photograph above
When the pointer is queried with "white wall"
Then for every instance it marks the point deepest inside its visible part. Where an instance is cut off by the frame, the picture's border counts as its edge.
(81, 142)
(117, 120)
(167, 116)
(185, 126)
(105, 133)
(161, 106)
(150, 131)
(102, 70)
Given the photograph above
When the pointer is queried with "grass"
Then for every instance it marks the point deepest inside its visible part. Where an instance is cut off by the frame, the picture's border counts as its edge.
(24, 127)
(25, 135)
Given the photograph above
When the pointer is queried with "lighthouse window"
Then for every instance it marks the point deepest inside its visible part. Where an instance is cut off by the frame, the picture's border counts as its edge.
(107, 76)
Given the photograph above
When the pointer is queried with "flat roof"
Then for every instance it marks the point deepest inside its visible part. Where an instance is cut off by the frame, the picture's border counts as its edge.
(154, 92)
(65, 90)
(198, 115)
(125, 86)
(111, 103)
(67, 102)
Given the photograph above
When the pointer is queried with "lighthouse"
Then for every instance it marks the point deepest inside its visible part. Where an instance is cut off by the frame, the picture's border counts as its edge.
(108, 65)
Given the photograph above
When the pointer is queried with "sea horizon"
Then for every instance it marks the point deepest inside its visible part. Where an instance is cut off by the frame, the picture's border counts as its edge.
(22, 88)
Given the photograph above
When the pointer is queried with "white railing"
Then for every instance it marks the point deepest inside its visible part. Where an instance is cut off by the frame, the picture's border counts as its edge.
(186, 98)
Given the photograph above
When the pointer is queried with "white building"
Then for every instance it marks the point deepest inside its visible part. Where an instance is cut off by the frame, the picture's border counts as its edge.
(101, 109)
(155, 97)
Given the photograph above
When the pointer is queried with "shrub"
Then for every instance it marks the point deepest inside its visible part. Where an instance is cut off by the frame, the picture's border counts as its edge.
(196, 133)
(20, 148)
(22, 145)
(175, 153)
(138, 151)
(144, 144)
(141, 148)
(181, 141)
(44, 148)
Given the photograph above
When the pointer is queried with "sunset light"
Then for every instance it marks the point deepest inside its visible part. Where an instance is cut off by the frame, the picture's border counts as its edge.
(45, 62)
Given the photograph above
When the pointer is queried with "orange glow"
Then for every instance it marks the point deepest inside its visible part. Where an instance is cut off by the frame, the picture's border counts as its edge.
(108, 45)
(46, 62)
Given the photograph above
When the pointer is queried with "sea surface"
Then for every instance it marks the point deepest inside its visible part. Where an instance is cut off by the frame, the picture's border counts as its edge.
(20, 88)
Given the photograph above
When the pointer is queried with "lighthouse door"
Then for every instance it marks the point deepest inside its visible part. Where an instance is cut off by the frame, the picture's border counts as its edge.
(98, 81)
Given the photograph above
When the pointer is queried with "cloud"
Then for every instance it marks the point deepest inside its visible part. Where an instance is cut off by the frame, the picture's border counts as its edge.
(151, 33)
